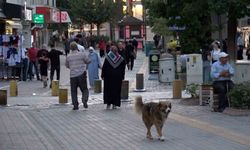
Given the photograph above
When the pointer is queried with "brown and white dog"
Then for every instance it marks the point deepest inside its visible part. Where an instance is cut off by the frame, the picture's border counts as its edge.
(153, 114)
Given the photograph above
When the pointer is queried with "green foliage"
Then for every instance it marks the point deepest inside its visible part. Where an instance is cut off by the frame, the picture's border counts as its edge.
(195, 16)
(192, 89)
(160, 27)
(239, 96)
(94, 11)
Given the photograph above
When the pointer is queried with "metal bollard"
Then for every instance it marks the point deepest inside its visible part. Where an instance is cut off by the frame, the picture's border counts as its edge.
(124, 90)
(55, 88)
(63, 96)
(139, 83)
(177, 88)
(98, 86)
(13, 88)
(3, 97)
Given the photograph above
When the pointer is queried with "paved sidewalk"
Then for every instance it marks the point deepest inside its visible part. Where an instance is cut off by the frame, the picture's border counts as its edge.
(58, 127)
(38, 122)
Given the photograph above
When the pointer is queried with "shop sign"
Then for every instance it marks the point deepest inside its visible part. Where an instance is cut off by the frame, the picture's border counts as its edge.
(45, 11)
(28, 14)
(135, 33)
(64, 18)
(38, 18)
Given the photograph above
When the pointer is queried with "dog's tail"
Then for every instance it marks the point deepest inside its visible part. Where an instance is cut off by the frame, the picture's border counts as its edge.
(138, 104)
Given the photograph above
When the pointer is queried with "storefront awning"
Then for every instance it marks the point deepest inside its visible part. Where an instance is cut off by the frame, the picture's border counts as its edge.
(14, 24)
(12, 11)
(130, 20)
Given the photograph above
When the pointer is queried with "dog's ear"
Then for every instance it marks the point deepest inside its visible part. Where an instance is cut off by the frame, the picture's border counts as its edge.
(170, 105)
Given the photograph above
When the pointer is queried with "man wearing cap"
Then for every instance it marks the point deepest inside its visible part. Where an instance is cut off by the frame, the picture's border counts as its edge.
(221, 73)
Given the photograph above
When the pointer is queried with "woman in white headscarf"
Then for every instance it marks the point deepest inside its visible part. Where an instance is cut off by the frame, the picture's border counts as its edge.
(215, 51)
(93, 67)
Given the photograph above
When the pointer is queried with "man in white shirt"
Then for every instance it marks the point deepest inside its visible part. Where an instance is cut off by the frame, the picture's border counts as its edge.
(79, 46)
(221, 73)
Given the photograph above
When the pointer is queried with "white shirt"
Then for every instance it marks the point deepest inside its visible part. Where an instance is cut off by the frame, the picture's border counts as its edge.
(240, 41)
(215, 54)
(80, 48)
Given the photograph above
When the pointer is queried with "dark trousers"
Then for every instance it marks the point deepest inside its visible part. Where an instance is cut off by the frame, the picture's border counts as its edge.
(102, 53)
(30, 72)
(221, 88)
(130, 63)
(81, 82)
(52, 72)
(240, 52)
(25, 69)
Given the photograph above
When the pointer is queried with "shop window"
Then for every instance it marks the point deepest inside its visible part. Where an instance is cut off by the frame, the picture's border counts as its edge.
(135, 31)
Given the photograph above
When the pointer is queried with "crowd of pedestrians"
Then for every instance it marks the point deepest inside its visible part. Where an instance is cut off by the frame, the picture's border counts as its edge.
(85, 64)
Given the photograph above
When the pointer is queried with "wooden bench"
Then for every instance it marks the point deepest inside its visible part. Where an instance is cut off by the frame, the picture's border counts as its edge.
(207, 97)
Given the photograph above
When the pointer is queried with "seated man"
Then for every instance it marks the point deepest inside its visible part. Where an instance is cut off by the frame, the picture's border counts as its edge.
(221, 73)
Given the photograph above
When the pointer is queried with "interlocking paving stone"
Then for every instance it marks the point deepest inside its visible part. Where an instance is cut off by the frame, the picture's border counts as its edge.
(59, 127)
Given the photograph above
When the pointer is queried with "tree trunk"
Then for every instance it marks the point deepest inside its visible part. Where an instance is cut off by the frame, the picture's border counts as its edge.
(232, 29)
(220, 27)
(98, 29)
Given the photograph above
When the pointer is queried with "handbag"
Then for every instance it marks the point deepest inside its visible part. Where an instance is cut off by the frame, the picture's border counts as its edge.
(133, 54)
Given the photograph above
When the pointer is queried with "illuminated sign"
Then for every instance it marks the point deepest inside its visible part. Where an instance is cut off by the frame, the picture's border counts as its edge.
(38, 18)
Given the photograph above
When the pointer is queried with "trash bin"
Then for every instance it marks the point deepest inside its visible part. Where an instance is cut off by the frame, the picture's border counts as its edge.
(154, 56)
(166, 70)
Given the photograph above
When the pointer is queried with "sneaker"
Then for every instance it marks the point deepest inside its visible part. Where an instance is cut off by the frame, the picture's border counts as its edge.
(108, 106)
(85, 105)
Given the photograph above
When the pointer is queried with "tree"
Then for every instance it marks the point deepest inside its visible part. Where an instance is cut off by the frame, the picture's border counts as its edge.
(179, 13)
(93, 11)
(234, 10)
(195, 16)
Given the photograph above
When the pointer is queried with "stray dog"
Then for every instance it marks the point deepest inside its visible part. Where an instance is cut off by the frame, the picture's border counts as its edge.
(153, 114)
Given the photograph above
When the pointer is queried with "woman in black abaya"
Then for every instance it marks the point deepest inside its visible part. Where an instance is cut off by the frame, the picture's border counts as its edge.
(113, 72)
